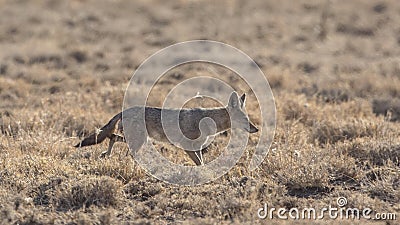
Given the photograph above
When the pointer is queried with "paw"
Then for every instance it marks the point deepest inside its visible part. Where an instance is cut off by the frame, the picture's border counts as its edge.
(103, 155)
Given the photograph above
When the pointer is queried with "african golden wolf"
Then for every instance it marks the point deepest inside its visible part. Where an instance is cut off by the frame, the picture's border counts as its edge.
(190, 124)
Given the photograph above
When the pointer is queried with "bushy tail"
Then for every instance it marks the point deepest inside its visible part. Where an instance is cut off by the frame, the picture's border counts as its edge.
(98, 137)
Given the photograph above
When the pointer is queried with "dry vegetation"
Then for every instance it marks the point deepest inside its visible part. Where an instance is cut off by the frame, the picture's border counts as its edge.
(333, 67)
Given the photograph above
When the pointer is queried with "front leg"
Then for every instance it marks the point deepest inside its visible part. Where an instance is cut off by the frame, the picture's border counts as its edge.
(197, 156)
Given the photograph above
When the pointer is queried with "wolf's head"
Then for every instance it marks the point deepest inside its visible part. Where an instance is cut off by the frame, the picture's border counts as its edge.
(239, 119)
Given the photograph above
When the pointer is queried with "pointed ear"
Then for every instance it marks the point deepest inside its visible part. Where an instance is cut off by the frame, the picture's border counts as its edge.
(243, 97)
(233, 100)
(243, 100)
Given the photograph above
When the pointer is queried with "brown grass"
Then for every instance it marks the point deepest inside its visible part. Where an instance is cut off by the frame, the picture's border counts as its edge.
(64, 67)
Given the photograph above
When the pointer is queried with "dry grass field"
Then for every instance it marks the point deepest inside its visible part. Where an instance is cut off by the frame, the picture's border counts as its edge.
(333, 66)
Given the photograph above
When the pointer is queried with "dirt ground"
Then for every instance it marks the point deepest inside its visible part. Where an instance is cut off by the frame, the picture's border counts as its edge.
(333, 66)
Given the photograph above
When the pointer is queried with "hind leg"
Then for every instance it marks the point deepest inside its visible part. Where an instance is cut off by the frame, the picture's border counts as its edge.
(114, 138)
(119, 138)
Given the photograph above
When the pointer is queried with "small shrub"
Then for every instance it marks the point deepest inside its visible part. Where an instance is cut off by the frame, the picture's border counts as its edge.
(103, 191)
